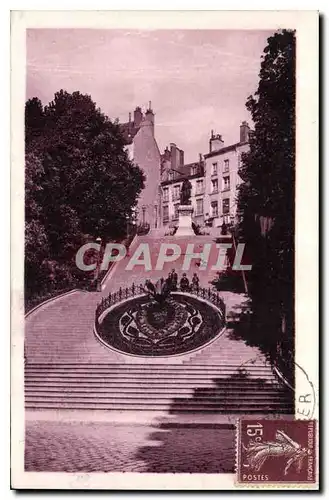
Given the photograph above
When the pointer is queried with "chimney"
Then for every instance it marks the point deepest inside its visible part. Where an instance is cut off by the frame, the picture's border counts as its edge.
(216, 142)
(244, 132)
(138, 115)
(174, 152)
(166, 154)
(181, 157)
(149, 115)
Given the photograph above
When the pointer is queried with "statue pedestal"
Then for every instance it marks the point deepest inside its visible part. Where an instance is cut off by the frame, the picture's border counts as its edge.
(185, 221)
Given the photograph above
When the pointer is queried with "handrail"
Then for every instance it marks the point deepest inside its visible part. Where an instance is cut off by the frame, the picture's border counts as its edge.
(283, 360)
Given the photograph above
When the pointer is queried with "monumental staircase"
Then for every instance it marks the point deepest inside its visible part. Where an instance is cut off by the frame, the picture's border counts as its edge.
(68, 369)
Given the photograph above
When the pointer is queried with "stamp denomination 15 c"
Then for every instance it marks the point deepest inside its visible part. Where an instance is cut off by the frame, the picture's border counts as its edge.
(276, 451)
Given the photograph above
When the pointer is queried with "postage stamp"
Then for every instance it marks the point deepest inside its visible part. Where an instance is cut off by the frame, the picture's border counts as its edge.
(277, 451)
(165, 248)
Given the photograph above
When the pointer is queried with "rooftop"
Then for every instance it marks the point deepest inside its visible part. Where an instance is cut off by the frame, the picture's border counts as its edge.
(184, 171)
(128, 130)
(226, 149)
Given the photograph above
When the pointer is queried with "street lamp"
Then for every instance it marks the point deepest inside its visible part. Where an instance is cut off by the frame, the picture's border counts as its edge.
(233, 234)
(99, 258)
(155, 215)
(143, 210)
(127, 225)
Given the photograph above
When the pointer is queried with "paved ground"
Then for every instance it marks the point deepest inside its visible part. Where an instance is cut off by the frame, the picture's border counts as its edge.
(112, 447)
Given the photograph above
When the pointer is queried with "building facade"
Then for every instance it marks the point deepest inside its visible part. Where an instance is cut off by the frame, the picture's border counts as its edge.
(142, 147)
(222, 177)
(173, 172)
(214, 178)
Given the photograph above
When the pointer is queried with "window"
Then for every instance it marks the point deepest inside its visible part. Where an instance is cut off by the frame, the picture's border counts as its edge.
(226, 183)
(214, 169)
(214, 209)
(226, 165)
(214, 186)
(176, 211)
(226, 206)
(199, 207)
(165, 194)
(199, 187)
(176, 192)
(165, 213)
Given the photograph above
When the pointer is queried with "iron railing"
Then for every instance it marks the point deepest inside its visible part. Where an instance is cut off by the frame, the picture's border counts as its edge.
(283, 358)
(134, 290)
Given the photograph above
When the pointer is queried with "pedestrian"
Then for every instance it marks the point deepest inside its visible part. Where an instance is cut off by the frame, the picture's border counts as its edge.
(169, 281)
(195, 282)
(184, 283)
(174, 280)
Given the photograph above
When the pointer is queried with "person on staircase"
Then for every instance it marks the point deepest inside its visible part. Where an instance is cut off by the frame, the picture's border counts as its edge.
(169, 282)
(174, 280)
(195, 282)
(184, 283)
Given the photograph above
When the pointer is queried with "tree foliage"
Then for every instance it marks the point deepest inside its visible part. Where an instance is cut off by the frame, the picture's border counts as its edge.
(79, 181)
(267, 196)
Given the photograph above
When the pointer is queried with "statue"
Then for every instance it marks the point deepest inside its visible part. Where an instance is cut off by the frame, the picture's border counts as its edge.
(185, 193)
(158, 292)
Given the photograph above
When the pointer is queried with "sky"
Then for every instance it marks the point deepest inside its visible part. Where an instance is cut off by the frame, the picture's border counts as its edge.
(197, 80)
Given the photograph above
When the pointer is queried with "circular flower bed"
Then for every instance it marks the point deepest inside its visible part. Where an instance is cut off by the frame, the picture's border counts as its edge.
(142, 327)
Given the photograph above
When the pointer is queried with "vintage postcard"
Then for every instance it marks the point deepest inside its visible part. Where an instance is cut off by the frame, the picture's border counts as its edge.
(165, 246)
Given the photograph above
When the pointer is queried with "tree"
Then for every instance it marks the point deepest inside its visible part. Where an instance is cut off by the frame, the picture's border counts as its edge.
(267, 196)
(34, 119)
(86, 163)
(79, 179)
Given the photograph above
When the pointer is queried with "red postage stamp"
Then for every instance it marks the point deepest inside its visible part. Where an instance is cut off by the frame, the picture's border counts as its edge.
(276, 451)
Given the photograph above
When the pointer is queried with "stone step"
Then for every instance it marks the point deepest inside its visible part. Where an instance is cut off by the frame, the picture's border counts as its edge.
(137, 365)
(217, 408)
(99, 397)
(103, 358)
(148, 370)
(154, 377)
(135, 391)
(141, 370)
(251, 385)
